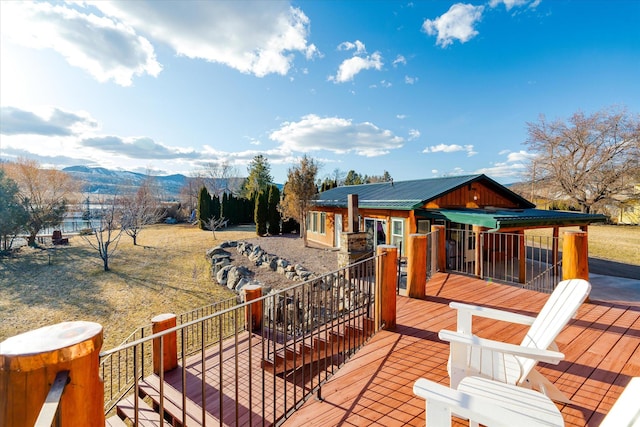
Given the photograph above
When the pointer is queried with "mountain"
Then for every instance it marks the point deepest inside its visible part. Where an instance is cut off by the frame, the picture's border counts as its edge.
(105, 181)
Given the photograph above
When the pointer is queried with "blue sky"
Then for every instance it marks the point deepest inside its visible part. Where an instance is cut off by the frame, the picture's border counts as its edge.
(420, 89)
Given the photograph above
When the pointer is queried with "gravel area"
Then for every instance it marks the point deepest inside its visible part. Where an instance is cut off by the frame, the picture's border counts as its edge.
(314, 258)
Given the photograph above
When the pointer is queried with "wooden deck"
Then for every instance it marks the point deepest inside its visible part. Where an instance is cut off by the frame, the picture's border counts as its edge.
(375, 388)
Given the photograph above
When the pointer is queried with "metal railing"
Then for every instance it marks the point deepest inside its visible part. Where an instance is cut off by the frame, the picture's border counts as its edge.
(500, 256)
(116, 368)
(50, 412)
(229, 375)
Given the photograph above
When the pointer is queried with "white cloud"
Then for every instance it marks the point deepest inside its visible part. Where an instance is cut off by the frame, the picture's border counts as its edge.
(456, 24)
(401, 116)
(452, 148)
(509, 4)
(105, 48)
(410, 80)
(399, 60)
(352, 66)
(357, 45)
(413, 134)
(254, 37)
(337, 135)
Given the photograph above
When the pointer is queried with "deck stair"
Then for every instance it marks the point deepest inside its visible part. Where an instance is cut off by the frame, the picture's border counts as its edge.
(324, 346)
(149, 414)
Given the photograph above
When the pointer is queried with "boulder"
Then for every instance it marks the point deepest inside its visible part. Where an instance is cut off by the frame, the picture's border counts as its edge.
(218, 250)
(222, 275)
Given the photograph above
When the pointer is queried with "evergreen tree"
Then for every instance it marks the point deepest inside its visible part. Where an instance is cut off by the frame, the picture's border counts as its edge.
(225, 211)
(216, 209)
(13, 215)
(273, 214)
(259, 177)
(204, 207)
(261, 212)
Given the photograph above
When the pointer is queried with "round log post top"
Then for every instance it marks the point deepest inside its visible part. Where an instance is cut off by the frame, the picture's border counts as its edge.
(50, 345)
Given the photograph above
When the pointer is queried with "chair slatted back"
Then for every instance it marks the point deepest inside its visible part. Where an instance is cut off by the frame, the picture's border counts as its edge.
(554, 316)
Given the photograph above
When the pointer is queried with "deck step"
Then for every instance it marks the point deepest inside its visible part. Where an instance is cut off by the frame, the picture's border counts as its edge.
(147, 417)
(172, 403)
(114, 421)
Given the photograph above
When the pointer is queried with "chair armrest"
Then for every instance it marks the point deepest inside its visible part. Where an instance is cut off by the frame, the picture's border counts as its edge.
(547, 356)
(492, 313)
(504, 406)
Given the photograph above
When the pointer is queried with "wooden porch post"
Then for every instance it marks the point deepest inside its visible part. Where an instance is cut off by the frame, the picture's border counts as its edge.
(386, 279)
(417, 265)
(575, 255)
(554, 250)
(160, 323)
(29, 363)
(477, 230)
(522, 259)
(441, 262)
(253, 319)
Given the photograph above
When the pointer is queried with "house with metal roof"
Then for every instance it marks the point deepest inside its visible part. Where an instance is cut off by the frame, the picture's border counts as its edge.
(390, 211)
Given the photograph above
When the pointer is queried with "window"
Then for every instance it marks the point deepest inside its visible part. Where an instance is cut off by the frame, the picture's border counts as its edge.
(316, 222)
(397, 233)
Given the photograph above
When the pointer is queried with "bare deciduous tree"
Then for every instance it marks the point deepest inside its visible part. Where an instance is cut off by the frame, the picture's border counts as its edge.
(45, 193)
(214, 224)
(299, 192)
(139, 209)
(588, 159)
(106, 235)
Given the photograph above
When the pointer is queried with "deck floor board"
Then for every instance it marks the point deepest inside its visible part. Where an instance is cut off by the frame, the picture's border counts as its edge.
(601, 345)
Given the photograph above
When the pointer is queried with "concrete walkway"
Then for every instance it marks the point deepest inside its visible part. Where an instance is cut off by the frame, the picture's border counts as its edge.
(612, 288)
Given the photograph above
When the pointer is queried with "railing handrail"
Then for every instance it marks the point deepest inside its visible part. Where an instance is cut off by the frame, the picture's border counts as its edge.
(51, 404)
(222, 312)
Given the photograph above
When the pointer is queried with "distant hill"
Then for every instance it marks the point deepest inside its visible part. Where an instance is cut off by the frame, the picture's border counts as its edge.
(105, 181)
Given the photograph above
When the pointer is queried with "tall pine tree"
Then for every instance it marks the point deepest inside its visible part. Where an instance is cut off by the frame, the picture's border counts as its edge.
(273, 217)
(261, 213)
(204, 207)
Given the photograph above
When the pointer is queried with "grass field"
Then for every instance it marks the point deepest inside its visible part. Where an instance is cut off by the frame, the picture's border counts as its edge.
(612, 242)
(166, 273)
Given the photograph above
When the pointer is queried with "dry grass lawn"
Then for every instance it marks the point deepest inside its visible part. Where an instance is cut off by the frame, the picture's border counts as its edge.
(166, 272)
(619, 243)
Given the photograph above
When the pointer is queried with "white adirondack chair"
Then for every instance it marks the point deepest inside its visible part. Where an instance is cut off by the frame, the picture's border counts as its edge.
(496, 404)
(509, 363)
(487, 402)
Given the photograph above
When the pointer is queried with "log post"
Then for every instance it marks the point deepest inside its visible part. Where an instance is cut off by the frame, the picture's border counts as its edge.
(29, 363)
(386, 279)
(417, 265)
(575, 255)
(160, 323)
(441, 244)
(253, 311)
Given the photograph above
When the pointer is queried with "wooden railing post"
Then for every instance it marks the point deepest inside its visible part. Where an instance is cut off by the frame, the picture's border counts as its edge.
(575, 255)
(417, 265)
(160, 323)
(29, 363)
(253, 317)
(441, 262)
(386, 279)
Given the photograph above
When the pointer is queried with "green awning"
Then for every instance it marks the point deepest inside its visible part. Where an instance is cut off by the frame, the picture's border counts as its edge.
(496, 219)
